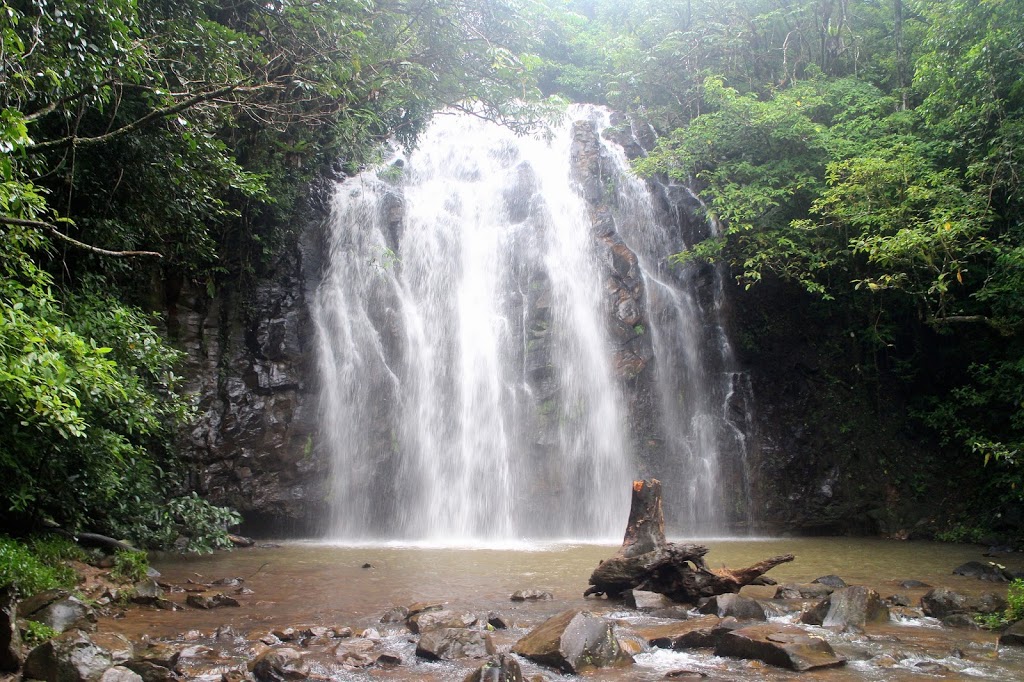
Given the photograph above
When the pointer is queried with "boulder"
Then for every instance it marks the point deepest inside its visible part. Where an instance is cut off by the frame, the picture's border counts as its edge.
(912, 584)
(435, 620)
(421, 606)
(572, 642)
(531, 595)
(833, 581)
(210, 601)
(694, 633)
(803, 591)
(283, 664)
(10, 637)
(357, 653)
(146, 592)
(1013, 635)
(69, 657)
(396, 614)
(989, 571)
(150, 672)
(500, 668)
(941, 602)
(59, 610)
(784, 646)
(741, 608)
(453, 643)
(963, 621)
(856, 606)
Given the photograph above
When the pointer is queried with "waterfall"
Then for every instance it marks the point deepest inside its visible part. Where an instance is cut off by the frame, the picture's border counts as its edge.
(503, 347)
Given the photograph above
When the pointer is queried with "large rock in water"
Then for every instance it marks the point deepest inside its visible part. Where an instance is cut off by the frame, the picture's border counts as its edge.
(784, 646)
(685, 634)
(573, 642)
(60, 610)
(740, 608)
(857, 605)
(452, 643)
(501, 668)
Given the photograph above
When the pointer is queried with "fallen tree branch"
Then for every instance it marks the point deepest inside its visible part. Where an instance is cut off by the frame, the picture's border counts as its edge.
(646, 561)
(55, 231)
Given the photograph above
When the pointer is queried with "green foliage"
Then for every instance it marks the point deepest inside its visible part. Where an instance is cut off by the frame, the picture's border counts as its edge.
(23, 571)
(34, 632)
(160, 524)
(129, 566)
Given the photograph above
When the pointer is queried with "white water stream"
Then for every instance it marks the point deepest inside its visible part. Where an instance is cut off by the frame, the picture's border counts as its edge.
(470, 392)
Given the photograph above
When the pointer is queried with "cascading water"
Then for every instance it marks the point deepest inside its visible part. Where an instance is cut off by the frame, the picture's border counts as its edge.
(476, 384)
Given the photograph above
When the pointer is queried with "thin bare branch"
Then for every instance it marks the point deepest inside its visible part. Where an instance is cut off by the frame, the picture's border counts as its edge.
(55, 231)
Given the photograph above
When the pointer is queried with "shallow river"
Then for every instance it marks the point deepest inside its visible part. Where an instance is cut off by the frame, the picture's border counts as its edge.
(317, 584)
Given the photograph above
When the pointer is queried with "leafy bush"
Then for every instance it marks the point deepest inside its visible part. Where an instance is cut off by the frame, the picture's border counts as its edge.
(130, 566)
(204, 526)
(1015, 601)
(22, 570)
(35, 632)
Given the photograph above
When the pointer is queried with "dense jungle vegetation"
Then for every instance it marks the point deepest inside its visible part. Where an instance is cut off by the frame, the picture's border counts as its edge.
(866, 154)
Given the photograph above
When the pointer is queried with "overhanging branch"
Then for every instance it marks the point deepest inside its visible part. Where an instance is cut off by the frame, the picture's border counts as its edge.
(52, 229)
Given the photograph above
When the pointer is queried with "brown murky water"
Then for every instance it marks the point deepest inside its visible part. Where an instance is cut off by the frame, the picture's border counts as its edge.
(315, 584)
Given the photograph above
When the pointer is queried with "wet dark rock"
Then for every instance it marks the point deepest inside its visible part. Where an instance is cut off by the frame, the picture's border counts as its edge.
(453, 643)
(120, 674)
(784, 646)
(741, 608)
(694, 633)
(572, 642)
(150, 672)
(941, 602)
(59, 610)
(962, 621)
(241, 540)
(833, 581)
(396, 614)
(357, 653)
(146, 592)
(162, 654)
(912, 584)
(199, 662)
(501, 668)
(814, 614)
(421, 606)
(989, 571)
(855, 606)
(435, 620)
(10, 637)
(282, 664)
(803, 591)
(531, 595)
(987, 603)
(497, 621)
(225, 633)
(931, 667)
(676, 612)
(1013, 635)
(210, 601)
(70, 657)
(389, 659)
(899, 600)
(642, 600)
(684, 674)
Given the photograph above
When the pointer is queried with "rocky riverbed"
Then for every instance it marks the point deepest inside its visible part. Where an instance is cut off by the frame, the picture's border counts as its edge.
(242, 616)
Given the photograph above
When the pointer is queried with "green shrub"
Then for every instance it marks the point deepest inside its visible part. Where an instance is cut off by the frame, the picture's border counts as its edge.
(22, 570)
(35, 632)
(1015, 601)
(130, 566)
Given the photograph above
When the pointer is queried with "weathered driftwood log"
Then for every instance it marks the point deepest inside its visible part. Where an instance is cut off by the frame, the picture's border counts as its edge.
(646, 561)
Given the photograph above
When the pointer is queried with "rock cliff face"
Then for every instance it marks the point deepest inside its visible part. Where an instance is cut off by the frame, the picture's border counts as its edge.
(250, 370)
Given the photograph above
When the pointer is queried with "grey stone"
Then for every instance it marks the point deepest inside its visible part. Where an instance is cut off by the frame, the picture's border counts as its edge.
(531, 595)
(454, 643)
(70, 657)
(784, 646)
(833, 581)
(976, 569)
(855, 606)
(59, 610)
(642, 600)
(803, 591)
(1013, 635)
(693, 633)
(573, 642)
(435, 620)
(940, 602)
(282, 664)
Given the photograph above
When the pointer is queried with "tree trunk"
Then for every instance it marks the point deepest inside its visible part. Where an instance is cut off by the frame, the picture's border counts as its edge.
(646, 561)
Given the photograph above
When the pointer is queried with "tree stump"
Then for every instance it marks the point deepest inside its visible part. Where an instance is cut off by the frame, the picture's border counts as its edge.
(646, 561)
